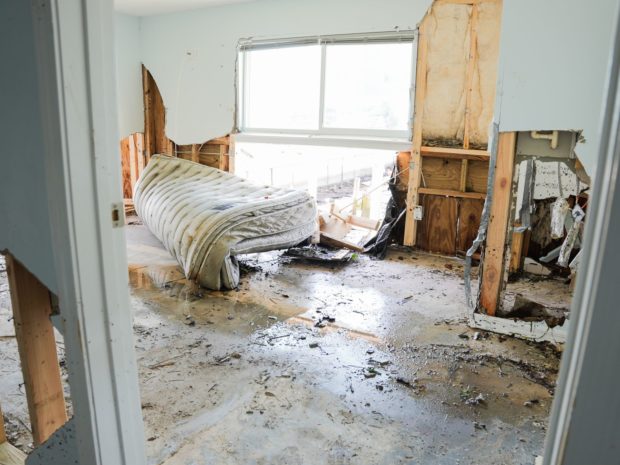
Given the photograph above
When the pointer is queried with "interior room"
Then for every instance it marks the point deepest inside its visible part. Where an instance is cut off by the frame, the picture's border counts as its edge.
(308, 232)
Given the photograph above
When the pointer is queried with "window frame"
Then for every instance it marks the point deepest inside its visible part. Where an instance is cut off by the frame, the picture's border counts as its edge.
(323, 42)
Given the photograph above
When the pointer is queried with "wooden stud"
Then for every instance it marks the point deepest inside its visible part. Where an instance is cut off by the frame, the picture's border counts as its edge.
(415, 165)
(195, 153)
(493, 265)
(149, 139)
(37, 351)
(451, 152)
(2, 431)
(223, 160)
(126, 168)
(464, 169)
(138, 138)
(452, 193)
(516, 249)
(469, 74)
(133, 164)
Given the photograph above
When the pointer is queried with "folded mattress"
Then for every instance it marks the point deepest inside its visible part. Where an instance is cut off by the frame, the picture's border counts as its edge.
(206, 217)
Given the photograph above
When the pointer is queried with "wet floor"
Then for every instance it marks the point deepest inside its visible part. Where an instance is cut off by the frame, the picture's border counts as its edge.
(369, 362)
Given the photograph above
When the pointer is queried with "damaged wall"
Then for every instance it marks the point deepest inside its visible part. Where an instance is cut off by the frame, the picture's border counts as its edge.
(192, 54)
(128, 74)
(25, 228)
(552, 72)
(448, 26)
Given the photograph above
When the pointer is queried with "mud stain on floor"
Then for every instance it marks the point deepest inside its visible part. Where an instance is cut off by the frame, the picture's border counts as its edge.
(370, 362)
(365, 363)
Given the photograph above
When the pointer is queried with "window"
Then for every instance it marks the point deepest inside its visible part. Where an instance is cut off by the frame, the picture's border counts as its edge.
(339, 86)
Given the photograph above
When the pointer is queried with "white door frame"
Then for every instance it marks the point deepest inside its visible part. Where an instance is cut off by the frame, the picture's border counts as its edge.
(75, 61)
(585, 421)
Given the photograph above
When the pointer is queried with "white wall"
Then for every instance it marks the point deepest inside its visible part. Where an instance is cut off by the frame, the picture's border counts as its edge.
(553, 59)
(128, 74)
(192, 54)
(25, 229)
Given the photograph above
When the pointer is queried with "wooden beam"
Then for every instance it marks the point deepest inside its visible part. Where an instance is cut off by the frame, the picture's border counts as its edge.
(149, 130)
(456, 153)
(469, 73)
(2, 430)
(452, 193)
(415, 165)
(37, 351)
(495, 249)
(463, 181)
(516, 250)
(195, 153)
(223, 160)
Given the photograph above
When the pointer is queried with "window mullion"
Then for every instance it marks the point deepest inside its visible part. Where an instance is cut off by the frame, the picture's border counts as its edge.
(322, 88)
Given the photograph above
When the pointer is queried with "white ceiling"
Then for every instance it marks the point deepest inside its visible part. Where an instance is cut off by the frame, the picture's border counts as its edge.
(154, 7)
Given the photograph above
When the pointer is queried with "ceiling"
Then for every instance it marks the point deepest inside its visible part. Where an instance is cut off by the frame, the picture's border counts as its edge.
(154, 7)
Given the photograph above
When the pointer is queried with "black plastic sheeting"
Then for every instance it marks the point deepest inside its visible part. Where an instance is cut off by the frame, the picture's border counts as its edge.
(393, 224)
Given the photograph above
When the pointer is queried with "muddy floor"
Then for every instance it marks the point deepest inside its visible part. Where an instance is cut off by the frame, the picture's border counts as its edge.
(368, 362)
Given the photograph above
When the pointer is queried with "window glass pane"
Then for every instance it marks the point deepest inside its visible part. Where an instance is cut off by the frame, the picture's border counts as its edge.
(283, 87)
(367, 86)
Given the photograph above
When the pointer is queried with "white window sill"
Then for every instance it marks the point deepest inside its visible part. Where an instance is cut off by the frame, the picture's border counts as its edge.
(381, 143)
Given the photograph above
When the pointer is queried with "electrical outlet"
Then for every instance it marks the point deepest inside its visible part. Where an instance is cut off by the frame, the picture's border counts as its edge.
(418, 213)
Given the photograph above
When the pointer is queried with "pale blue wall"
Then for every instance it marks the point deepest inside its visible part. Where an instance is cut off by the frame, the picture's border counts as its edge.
(553, 63)
(192, 54)
(25, 228)
(128, 74)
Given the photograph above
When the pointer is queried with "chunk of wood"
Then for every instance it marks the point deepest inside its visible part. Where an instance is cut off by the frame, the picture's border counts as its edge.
(37, 351)
(415, 165)
(493, 265)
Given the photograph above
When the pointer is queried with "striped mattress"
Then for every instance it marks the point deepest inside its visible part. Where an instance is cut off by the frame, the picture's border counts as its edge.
(206, 217)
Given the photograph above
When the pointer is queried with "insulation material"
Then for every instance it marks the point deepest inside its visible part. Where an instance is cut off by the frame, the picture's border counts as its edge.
(485, 72)
(449, 35)
(448, 47)
(559, 209)
(555, 179)
(206, 217)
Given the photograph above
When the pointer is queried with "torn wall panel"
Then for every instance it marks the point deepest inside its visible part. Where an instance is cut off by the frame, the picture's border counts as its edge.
(449, 47)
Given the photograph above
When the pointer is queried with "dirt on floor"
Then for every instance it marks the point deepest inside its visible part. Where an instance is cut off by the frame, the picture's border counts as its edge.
(367, 362)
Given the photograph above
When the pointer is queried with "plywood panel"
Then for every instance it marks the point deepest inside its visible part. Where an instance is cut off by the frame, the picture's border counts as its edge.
(437, 230)
(470, 211)
(477, 176)
(440, 173)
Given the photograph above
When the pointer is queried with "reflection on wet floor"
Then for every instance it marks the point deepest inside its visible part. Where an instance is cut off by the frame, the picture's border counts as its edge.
(366, 363)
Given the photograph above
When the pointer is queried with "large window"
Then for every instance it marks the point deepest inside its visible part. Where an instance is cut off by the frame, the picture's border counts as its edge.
(338, 86)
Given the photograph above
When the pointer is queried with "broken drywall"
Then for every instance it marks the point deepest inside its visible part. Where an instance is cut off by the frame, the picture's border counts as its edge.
(192, 55)
(24, 217)
(128, 74)
(552, 74)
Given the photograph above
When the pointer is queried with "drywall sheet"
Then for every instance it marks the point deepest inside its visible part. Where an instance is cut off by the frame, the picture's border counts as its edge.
(128, 74)
(449, 46)
(553, 65)
(25, 228)
(192, 55)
